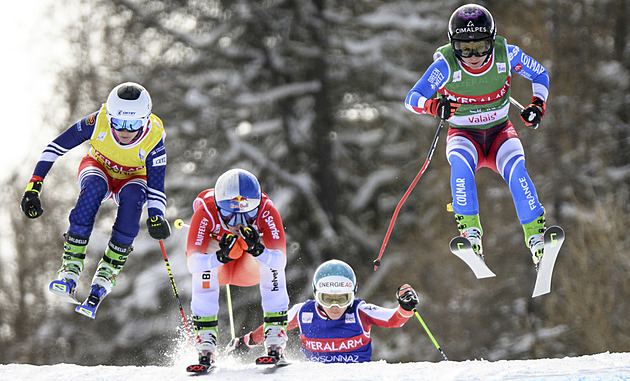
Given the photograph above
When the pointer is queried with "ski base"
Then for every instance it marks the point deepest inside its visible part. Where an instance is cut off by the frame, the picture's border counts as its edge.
(200, 368)
(554, 238)
(462, 248)
(62, 290)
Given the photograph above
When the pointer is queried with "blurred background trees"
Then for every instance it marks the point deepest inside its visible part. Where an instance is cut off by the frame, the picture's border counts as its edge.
(308, 95)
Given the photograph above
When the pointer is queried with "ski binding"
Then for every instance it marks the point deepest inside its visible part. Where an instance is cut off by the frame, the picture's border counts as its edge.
(554, 237)
(64, 291)
(462, 248)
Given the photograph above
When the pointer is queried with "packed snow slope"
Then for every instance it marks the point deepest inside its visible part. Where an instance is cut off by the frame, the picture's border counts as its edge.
(604, 366)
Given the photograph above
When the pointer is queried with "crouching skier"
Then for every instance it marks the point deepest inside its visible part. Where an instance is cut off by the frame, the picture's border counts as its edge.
(335, 327)
(126, 162)
(236, 237)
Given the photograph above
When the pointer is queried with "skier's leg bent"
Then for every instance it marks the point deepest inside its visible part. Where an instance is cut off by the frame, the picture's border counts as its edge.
(205, 308)
(275, 302)
(462, 156)
(130, 199)
(94, 190)
(511, 165)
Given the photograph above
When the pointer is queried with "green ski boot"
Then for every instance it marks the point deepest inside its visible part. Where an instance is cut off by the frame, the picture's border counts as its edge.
(470, 227)
(207, 332)
(534, 238)
(72, 259)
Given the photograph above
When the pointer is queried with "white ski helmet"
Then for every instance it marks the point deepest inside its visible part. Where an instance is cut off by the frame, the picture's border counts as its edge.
(237, 196)
(334, 284)
(128, 107)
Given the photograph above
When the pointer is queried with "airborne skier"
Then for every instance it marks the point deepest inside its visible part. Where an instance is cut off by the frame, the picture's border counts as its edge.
(473, 76)
(127, 162)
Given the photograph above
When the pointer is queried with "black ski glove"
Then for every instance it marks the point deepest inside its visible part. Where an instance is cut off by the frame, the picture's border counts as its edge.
(252, 239)
(158, 227)
(441, 107)
(533, 113)
(407, 297)
(31, 205)
(240, 345)
(227, 244)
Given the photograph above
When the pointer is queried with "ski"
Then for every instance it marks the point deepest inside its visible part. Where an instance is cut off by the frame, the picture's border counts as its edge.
(554, 237)
(63, 291)
(462, 248)
(87, 310)
(272, 360)
(197, 369)
(89, 307)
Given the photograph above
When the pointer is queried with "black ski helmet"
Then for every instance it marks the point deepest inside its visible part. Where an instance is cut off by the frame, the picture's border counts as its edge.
(471, 22)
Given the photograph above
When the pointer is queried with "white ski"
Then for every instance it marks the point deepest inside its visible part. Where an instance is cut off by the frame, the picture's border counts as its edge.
(554, 237)
(462, 247)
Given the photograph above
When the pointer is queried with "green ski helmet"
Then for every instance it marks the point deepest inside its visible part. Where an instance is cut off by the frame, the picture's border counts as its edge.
(334, 284)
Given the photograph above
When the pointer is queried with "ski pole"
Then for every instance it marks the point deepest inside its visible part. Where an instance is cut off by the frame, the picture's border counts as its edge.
(179, 303)
(520, 108)
(430, 335)
(516, 104)
(179, 223)
(229, 302)
(377, 261)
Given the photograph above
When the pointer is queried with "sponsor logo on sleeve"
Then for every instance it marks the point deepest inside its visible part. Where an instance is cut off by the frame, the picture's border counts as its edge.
(159, 161)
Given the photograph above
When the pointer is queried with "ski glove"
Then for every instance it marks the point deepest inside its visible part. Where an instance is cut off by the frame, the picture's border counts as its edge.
(252, 239)
(407, 297)
(240, 345)
(230, 248)
(158, 227)
(441, 107)
(533, 113)
(31, 205)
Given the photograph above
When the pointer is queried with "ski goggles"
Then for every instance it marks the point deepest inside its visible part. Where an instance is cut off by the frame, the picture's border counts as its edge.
(467, 49)
(331, 300)
(232, 218)
(126, 125)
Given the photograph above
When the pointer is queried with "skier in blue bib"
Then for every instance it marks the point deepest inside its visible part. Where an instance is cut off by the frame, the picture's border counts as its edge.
(335, 327)
(472, 74)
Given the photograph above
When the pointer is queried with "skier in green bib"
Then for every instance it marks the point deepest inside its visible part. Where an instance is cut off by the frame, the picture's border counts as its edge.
(473, 75)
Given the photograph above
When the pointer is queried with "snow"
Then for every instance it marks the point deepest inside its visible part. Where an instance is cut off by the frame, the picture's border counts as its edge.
(604, 366)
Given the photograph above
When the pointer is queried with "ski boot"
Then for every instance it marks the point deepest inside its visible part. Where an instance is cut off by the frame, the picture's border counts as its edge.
(275, 328)
(470, 228)
(71, 267)
(534, 238)
(206, 329)
(105, 277)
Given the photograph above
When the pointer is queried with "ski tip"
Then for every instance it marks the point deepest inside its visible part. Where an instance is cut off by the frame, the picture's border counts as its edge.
(86, 311)
(199, 368)
(271, 360)
(62, 291)
(377, 263)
